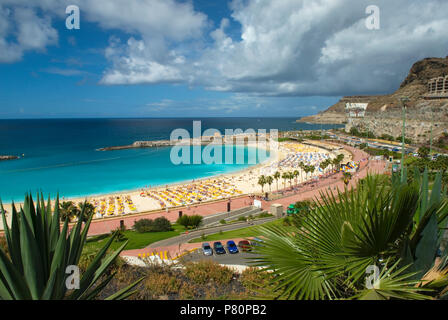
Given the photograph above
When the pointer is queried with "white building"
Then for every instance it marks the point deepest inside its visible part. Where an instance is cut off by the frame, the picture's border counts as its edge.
(356, 110)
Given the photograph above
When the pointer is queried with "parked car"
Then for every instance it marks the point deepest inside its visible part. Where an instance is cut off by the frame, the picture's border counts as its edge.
(245, 245)
(206, 249)
(231, 247)
(256, 242)
(219, 248)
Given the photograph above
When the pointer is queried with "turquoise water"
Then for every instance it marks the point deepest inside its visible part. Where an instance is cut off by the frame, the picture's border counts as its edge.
(61, 157)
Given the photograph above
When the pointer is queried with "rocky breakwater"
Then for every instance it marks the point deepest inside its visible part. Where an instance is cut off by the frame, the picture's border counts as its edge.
(160, 143)
(140, 144)
(4, 158)
(244, 139)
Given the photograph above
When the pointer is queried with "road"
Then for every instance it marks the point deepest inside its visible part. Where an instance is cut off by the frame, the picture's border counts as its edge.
(184, 238)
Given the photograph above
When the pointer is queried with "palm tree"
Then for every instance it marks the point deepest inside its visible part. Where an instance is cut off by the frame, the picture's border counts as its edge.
(290, 177)
(269, 181)
(285, 176)
(262, 182)
(338, 160)
(277, 176)
(324, 165)
(296, 174)
(395, 227)
(85, 210)
(302, 166)
(68, 211)
(309, 169)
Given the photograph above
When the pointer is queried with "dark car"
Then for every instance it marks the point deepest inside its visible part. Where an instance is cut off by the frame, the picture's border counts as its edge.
(231, 247)
(245, 245)
(219, 248)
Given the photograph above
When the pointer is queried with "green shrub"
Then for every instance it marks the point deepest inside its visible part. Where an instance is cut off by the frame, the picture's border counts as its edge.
(143, 225)
(195, 221)
(160, 224)
(190, 221)
(222, 221)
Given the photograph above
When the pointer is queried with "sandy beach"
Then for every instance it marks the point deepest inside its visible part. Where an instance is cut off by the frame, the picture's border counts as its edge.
(203, 190)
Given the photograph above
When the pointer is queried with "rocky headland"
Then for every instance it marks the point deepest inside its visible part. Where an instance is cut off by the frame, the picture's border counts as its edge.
(384, 113)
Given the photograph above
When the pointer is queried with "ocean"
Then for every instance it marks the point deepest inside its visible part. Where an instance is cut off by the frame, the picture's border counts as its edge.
(61, 157)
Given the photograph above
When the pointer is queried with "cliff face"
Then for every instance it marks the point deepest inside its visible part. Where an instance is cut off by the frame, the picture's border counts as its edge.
(384, 111)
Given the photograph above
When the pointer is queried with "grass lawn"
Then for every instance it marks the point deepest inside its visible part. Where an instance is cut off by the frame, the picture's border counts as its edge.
(136, 240)
(241, 233)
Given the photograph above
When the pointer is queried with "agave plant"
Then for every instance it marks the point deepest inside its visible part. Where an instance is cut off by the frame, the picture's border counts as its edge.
(40, 252)
(397, 228)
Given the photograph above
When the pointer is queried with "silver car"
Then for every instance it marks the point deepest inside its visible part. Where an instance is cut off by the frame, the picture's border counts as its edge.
(206, 249)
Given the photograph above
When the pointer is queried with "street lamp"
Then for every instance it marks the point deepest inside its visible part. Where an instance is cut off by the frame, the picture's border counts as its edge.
(404, 100)
(430, 138)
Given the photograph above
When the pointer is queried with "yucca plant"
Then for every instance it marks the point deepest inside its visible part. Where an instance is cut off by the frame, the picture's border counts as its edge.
(396, 227)
(40, 252)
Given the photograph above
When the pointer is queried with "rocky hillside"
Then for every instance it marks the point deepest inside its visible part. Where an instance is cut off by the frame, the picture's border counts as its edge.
(384, 111)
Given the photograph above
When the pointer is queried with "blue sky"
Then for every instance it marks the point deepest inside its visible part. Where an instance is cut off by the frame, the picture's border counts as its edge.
(154, 58)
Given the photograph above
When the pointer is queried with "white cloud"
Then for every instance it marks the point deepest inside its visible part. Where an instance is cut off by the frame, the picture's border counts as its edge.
(286, 48)
(160, 22)
(31, 32)
(303, 48)
(64, 72)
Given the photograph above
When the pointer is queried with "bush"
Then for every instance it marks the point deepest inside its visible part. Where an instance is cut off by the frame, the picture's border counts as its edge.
(206, 270)
(159, 284)
(143, 225)
(160, 224)
(256, 282)
(190, 221)
(195, 221)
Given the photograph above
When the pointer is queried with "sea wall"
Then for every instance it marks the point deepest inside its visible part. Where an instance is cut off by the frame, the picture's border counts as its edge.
(3, 158)
(206, 140)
